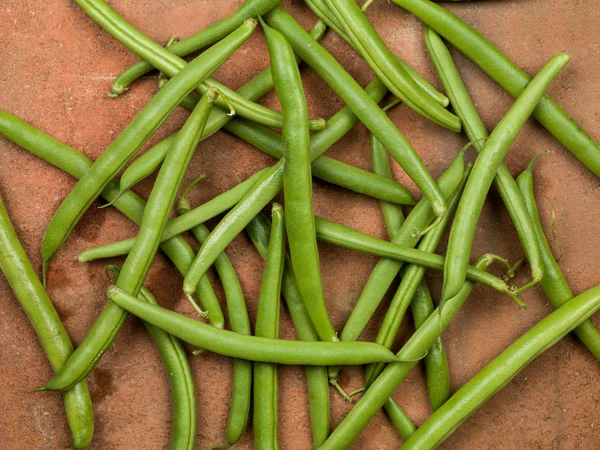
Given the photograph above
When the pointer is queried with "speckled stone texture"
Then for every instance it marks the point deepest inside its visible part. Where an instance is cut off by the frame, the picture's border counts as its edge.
(56, 66)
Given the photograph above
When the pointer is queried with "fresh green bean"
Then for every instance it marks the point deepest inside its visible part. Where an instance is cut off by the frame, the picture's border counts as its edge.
(317, 383)
(365, 108)
(554, 284)
(137, 264)
(179, 374)
(34, 300)
(384, 386)
(208, 36)
(240, 323)
(477, 134)
(385, 65)
(133, 137)
(508, 75)
(267, 326)
(171, 64)
(484, 170)
(234, 345)
(493, 377)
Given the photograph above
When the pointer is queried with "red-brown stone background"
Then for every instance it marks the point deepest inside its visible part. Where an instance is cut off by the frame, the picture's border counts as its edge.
(56, 66)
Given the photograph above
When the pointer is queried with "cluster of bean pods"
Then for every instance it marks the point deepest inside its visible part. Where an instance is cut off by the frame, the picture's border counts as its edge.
(289, 241)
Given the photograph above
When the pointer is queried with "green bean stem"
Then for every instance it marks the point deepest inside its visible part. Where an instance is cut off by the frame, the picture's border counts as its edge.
(507, 74)
(478, 134)
(463, 228)
(34, 300)
(554, 283)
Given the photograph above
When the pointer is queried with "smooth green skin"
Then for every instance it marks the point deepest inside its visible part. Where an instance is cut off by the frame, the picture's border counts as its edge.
(486, 165)
(171, 64)
(34, 300)
(386, 270)
(270, 184)
(253, 348)
(554, 283)
(198, 41)
(137, 264)
(345, 237)
(507, 74)
(477, 133)
(131, 139)
(493, 377)
(180, 378)
(317, 379)
(324, 167)
(267, 326)
(181, 224)
(297, 182)
(384, 386)
(385, 64)
(411, 279)
(364, 107)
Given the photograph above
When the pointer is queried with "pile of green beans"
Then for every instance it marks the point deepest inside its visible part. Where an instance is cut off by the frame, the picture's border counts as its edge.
(248, 330)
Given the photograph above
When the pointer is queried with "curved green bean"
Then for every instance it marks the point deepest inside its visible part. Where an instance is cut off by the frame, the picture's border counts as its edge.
(34, 300)
(493, 377)
(364, 108)
(133, 137)
(208, 36)
(507, 74)
(463, 228)
(267, 326)
(554, 284)
(477, 134)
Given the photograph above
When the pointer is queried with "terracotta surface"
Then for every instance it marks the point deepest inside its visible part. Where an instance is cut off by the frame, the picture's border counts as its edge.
(56, 66)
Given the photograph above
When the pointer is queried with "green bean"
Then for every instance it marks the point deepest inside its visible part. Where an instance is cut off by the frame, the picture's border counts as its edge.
(253, 348)
(179, 374)
(208, 36)
(171, 64)
(34, 300)
(477, 133)
(240, 323)
(133, 137)
(267, 326)
(137, 264)
(384, 386)
(385, 65)
(493, 377)
(508, 75)
(365, 108)
(297, 182)
(318, 386)
(325, 168)
(484, 170)
(554, 284)
(411, 279)
(271, 183)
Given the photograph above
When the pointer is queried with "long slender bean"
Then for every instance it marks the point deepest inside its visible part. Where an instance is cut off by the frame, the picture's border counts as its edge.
(477, 134)
(365, 108)
(171, 64)
(316, 377)
(484, 170)
(34, 300)
(137, 264)
(208, 36)
(267, 326)
(508, 75)
(384, 386)
(240, 323)
(493, 377)
(133, 137)
(554, 283)
(384, 63)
